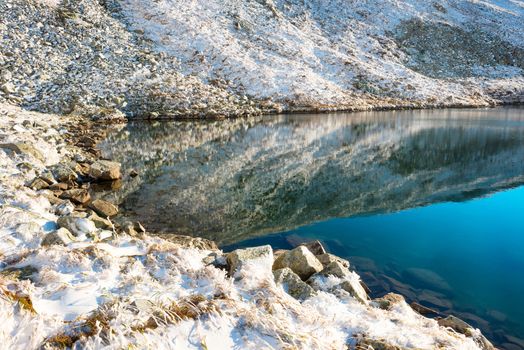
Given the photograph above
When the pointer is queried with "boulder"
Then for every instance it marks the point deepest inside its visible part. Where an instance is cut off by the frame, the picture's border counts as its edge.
(76, 195)
(105, 170)
(355, 289)
(462, 327)
(103, 208)
(327, 259)
(62, 236)
(336, 269)
(189, 241)
(63, 173)
(315, 247)
(300, 260)
(38, 184)
(99, 222)
(237, 258)
(76, 225)
(292, 284)
(388, 301)
(23, 148)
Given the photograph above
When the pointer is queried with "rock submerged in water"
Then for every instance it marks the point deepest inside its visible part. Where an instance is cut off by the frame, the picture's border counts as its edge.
(105, 170)
(104, 208)
(292, 284)
(300, 260)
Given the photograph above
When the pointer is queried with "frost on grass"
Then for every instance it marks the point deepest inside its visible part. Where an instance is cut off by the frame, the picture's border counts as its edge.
(150, 293)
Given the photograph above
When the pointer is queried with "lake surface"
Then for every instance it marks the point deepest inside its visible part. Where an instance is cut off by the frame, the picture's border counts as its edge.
(429, 204)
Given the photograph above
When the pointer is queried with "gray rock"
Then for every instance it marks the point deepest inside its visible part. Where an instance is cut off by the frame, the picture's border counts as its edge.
(300, 260)
(76, 225)
(292, 284)
(327, 259)
(355, 289)
(61, 236)
(336, 269)
(105, 170)
(423, 310)
(23, 148)
(239, 257)
(8, 88)
(315, 247)
(63, 173)
(103, 208)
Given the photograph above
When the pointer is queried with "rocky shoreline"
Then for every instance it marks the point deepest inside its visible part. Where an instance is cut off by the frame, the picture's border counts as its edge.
(57, 241)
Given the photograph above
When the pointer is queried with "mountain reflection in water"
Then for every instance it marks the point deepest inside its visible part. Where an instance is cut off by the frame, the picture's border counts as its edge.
(234, 179)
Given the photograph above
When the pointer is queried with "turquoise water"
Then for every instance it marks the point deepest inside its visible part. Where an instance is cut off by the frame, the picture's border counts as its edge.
(429, 204)
(474, 251)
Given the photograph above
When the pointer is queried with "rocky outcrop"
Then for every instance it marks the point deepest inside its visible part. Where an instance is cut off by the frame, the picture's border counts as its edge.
(300, 260)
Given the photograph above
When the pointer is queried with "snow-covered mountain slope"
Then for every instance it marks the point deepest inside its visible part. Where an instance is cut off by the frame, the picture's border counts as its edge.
(314, 53)
(210, 57)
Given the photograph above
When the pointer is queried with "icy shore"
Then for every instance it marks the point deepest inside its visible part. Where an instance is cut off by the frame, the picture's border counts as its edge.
(115, 287)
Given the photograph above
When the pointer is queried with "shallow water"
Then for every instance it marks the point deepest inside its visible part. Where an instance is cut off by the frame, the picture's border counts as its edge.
(426, 203)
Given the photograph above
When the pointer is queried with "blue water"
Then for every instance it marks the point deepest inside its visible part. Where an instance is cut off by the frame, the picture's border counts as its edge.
(476, 247)
(429, 204)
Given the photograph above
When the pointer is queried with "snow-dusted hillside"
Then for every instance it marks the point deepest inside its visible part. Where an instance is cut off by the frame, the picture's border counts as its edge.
(314, 53)
(209, 57)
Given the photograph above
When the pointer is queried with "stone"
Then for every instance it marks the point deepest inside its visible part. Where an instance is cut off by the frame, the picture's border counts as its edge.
(104, 170)
(300, 260)
(76, 195)
(133, 173)
(425, 278)
(133, 229)
(278, 252)
(64, 208)
(315, 247)
(336, 269)
(62, 236)
(59, 186)
(237, 258)
(327, 259)
(292, 284)
(388, 301)
(189, 241)
(76, 225)
(423, 310)
(19, 273)
(355, 289)
(63, 173)
(462, 327)
(376, 344)
(8, 88)
(23, 148)
(38, 184)
(103, 208)
(99, 222)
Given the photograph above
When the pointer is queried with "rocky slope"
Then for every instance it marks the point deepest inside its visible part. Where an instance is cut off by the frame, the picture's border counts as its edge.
(177, 58)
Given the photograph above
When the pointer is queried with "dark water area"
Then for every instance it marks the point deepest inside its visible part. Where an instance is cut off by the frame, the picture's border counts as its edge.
(429, 204)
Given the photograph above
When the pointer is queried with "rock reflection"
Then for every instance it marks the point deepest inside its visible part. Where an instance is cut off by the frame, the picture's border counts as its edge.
(235, 179)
